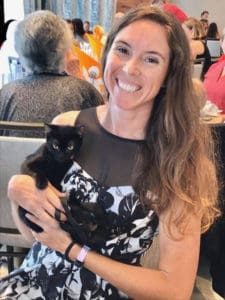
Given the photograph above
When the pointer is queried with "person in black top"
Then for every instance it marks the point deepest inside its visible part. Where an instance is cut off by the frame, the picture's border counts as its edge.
(145, 159)
(199, 50)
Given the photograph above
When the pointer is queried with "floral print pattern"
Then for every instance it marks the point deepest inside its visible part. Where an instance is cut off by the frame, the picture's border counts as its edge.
(45, 274)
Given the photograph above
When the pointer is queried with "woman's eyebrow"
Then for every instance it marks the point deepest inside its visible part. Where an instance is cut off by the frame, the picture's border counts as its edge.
(122, 42)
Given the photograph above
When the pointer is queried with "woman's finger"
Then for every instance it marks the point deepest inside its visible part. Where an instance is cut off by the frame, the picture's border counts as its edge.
(43, 219)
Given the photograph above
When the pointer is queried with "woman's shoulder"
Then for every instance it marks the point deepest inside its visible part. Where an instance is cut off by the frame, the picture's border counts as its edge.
(66, 118)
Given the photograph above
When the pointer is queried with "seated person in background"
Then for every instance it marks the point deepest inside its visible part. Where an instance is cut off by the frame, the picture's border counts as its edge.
(79, 34)
(195, 34)
(213, 32)
(6, 51)
(205, 24)
(87, 27)
(205, 14)
(209, 112)
(178, 13)
(214, 81)
(42, 41)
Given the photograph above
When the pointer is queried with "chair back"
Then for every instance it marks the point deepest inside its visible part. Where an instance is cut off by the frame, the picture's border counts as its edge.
(13, 151)
(197, 70)
(11, 128)
(214, 48)
(16, 69)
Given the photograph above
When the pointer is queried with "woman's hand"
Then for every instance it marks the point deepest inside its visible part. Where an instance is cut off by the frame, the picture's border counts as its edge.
(22, 190)
(41, 203)
(52, 235)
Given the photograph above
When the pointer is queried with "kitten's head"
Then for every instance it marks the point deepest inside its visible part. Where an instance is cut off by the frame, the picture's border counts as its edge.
(63, 141)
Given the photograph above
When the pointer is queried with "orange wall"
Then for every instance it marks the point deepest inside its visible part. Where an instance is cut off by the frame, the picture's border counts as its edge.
(124, 5)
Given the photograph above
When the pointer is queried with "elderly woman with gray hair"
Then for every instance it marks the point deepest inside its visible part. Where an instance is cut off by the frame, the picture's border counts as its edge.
(43, 42)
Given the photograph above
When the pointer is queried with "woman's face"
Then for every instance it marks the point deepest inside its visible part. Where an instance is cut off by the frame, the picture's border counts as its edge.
(137, 65)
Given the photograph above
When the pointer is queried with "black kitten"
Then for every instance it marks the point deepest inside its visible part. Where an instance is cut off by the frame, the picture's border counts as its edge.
(85, 221)
(52, 159)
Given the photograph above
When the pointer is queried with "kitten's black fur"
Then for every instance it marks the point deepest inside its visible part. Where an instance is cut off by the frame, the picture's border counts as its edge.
(50, 163)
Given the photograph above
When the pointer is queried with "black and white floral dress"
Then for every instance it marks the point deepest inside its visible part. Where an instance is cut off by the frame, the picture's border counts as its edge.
(102, 174)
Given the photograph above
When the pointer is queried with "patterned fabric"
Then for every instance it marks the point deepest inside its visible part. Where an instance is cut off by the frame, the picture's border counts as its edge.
(45, 274)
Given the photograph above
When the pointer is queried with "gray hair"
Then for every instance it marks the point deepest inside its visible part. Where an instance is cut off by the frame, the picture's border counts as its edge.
(42, 40)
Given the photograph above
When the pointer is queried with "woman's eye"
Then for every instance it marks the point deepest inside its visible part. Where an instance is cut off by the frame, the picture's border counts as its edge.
(121, 50)
(151, 60)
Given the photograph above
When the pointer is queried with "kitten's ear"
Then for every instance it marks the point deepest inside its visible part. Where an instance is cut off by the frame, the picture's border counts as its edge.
(48, 127)
(81, 130)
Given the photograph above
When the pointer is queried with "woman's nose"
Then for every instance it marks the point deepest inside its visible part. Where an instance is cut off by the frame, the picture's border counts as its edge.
(131, 67)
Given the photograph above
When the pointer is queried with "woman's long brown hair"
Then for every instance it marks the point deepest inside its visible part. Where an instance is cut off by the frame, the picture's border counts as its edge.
(176, 162)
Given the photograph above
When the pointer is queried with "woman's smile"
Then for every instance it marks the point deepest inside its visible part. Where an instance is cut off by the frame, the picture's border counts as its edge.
(128, 87)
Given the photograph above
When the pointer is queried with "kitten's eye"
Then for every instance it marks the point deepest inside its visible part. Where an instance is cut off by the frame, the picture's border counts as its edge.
(55, 146)
(70, 147)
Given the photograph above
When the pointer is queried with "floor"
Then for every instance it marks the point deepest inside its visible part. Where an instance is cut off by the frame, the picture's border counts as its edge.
(202, 290)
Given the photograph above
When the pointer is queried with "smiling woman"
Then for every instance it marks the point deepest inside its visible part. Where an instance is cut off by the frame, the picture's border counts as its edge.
(145, 160)
(132, 63)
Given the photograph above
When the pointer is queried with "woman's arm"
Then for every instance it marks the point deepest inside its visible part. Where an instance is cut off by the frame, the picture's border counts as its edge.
(177, 268)
(197, 48)
(67, 118)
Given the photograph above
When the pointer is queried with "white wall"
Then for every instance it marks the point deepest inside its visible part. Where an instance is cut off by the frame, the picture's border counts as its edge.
(193, 8)
(13, 9)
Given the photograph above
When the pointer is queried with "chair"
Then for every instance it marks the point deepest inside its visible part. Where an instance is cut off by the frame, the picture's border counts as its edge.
(16, 69)
(214, 48)
(197, 70)
(13, 151)
(9, 127)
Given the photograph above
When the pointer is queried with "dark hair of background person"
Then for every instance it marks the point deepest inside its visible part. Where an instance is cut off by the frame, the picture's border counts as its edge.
(5, 28)
(157, 153)
(204, 12)
(2, 17)
(78, 27)
(212, 32)
(87, 27)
